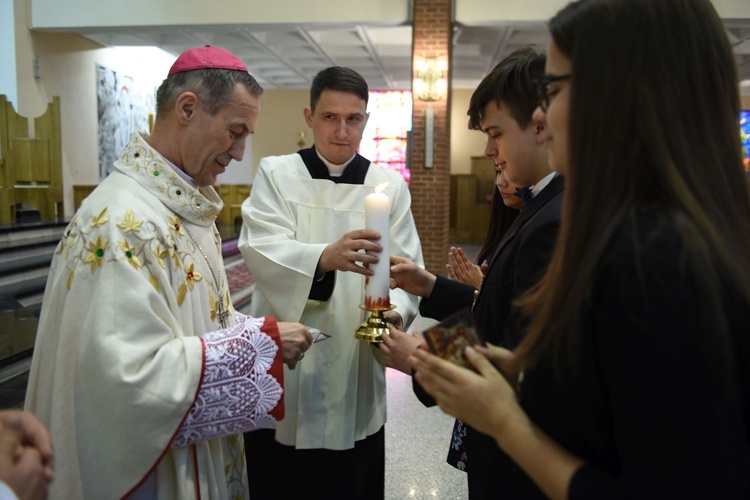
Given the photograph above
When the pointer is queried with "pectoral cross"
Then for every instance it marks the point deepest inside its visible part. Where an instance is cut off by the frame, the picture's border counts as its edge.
(223, 315)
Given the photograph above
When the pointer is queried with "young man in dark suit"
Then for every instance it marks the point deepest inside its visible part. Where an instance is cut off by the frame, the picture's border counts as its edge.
(501, 107)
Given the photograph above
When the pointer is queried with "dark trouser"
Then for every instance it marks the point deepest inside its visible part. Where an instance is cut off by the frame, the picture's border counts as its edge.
(276, 471)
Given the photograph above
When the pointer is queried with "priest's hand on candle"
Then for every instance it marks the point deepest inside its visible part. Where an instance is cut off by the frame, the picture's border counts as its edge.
(343, 254)
(411, 278)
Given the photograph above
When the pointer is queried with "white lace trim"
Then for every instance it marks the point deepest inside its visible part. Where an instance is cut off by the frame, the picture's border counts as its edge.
(236, 392)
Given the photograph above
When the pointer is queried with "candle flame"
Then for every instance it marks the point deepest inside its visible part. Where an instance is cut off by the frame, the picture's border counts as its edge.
(381, 187)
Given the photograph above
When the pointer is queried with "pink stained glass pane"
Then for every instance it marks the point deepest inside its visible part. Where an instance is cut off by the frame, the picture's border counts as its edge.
(385, 138)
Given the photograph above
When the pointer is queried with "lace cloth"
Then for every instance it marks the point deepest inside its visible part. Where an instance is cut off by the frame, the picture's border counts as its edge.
(237, 393)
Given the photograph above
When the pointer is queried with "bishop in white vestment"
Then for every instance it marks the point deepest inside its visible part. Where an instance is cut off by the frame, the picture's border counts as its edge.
(124, 372)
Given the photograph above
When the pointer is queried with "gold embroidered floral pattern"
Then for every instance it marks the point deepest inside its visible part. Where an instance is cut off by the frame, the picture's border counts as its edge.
(161, 254)
(181, 293)
(129, 224)
(100, 219)
(176, 224)
(154, 282)
(214, 306)
(192, 276)
(99, 234)
(130, 253)
(176, 257)
(96, 253)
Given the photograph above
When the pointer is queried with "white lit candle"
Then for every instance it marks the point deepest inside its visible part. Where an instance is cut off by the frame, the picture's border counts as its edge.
(377, 218)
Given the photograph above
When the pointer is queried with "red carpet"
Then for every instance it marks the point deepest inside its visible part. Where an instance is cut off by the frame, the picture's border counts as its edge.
(241, 283)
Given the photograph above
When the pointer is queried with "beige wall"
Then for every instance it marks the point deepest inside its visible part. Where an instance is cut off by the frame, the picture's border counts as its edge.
(68, 70)
(465, 143)
(280, 122)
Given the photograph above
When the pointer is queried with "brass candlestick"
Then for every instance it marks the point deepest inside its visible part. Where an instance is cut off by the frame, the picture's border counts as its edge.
(376, 325)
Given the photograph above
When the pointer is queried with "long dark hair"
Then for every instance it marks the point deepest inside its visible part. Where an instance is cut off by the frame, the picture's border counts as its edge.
(653, 125)
(501, 217)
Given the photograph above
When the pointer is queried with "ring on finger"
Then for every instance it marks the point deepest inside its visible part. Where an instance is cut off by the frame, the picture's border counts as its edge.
(299, 358)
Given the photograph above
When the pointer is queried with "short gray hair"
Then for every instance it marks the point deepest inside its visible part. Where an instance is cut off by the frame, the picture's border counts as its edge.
(212, 86)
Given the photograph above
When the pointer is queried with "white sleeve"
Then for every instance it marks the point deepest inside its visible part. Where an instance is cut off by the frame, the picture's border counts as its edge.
(283, 266)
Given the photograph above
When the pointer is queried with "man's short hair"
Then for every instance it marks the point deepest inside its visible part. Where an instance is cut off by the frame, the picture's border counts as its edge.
(338, 78)
(510, 85)
(212, 86)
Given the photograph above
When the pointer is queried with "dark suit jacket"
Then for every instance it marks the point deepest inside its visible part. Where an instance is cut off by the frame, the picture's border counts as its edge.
(518, 263)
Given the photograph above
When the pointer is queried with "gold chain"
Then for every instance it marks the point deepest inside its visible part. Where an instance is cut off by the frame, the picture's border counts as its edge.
(223, 313)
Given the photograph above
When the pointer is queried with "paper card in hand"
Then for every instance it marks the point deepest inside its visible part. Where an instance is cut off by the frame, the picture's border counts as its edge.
(450, 337)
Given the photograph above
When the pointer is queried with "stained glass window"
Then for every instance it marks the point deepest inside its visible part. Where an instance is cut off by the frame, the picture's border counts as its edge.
(385, 139)
(745, 135)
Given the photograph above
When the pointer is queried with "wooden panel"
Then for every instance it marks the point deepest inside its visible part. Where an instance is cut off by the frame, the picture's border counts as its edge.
(39, 197)
(7, 205)
(232, 195)
(484, 169)
(470, 208)
(48, 200)
(465, 200)
(80, 192)
(47, 127)
(4, 147)
(12, 125)
(31, 159)
(56, 202)
(32, 164)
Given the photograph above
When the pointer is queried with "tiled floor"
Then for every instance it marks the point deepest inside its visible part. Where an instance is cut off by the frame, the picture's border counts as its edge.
(417, 440)
(416, 443)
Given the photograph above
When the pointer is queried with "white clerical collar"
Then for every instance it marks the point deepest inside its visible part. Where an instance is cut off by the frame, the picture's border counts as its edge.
(537, 188)
(335, 170)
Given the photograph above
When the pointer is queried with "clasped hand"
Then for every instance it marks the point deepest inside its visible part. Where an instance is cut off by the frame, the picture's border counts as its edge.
(25, 454)
(462, 269)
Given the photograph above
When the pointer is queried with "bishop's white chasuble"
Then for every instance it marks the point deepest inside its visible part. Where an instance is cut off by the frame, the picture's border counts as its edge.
(142, 371)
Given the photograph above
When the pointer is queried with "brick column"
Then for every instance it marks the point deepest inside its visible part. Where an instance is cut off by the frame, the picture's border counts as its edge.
(430, 186)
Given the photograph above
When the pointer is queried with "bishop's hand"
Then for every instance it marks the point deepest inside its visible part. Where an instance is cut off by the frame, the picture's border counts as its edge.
(295, 340)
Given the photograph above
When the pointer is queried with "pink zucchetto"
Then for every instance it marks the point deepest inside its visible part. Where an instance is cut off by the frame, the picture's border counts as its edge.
(207, 57)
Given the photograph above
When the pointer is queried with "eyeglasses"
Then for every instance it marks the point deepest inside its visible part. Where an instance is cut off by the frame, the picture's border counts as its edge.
(541, 86)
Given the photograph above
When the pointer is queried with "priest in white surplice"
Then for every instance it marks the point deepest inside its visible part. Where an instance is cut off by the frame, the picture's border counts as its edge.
(142, 371)
(303, 239)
